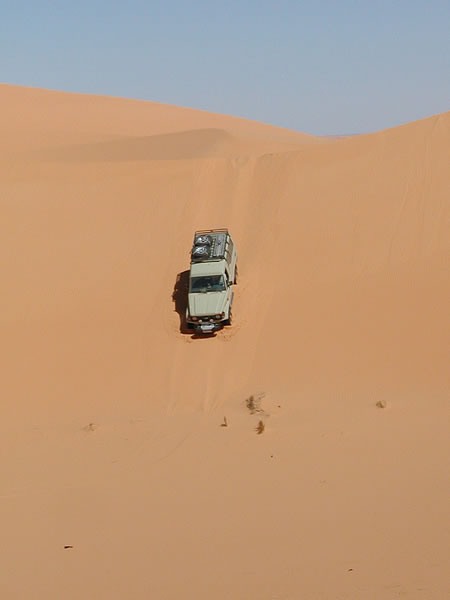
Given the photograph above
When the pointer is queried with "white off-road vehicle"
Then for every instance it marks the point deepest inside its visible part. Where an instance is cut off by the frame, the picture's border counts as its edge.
(211, 277)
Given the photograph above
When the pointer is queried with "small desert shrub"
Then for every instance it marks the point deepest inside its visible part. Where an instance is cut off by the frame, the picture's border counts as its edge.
(91, 427)
(260, 427)
(253, 404)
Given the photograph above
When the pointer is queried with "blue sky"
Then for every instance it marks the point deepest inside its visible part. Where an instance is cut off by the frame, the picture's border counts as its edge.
(322, 67)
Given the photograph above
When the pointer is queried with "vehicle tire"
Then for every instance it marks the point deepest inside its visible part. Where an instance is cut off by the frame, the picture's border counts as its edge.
(229, 320)
(235, 274)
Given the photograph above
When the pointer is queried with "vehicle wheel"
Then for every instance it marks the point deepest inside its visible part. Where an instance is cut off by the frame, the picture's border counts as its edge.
(235, 275)
(230, 318)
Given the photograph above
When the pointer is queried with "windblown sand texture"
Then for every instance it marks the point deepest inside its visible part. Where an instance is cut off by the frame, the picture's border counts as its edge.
(111, 440)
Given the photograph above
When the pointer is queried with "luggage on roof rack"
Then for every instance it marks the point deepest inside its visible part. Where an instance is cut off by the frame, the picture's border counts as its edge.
(211, 244)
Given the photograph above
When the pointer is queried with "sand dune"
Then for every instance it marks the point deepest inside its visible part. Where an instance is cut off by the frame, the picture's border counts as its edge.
(111, 439)
(32, 117)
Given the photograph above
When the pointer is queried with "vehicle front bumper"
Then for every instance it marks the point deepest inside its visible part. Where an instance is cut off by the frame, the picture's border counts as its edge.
(205, 324)
(207, 327)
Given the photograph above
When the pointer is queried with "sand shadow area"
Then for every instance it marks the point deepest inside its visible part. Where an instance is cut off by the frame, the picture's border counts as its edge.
(180, 300)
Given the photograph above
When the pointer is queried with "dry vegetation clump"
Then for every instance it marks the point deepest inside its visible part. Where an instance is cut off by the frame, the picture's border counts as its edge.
(260, 427)
(253, 403)
(381, 404)
(91, 427)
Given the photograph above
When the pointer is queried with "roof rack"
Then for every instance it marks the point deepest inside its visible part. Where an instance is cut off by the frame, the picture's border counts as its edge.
(203, 231)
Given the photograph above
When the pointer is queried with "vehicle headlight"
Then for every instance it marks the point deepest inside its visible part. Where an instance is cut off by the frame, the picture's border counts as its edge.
(218, 316)
(194, 318)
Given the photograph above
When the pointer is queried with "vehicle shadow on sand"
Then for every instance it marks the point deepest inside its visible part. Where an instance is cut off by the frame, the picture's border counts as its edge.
(180, 300)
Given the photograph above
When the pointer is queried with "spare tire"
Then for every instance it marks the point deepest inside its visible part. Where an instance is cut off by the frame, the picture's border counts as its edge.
(203, 240)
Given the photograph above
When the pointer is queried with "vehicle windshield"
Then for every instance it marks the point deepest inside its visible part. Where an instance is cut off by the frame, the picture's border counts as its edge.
(207, 283)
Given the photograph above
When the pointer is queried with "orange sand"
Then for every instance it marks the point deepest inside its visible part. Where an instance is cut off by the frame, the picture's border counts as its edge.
(110, 437)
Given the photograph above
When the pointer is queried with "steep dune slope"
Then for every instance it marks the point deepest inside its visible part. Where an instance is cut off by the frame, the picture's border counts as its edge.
(340, 305)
